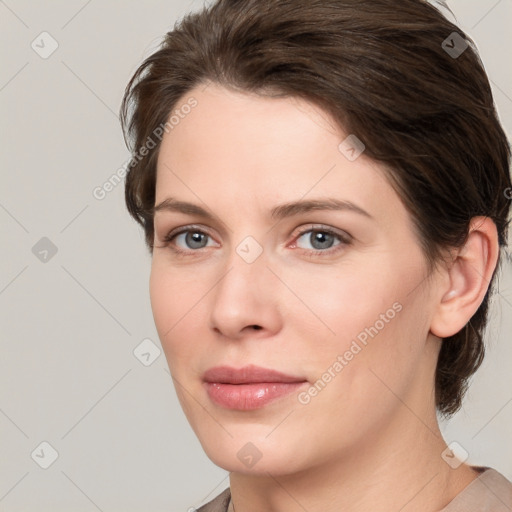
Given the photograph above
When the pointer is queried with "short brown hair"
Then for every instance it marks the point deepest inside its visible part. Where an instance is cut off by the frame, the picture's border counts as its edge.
(382, 69)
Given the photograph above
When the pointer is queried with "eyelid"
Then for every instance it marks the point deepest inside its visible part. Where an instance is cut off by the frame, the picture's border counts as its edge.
(185, 228)
(169, 238)
(344, 237)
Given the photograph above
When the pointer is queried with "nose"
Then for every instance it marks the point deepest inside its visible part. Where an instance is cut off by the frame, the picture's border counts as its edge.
(245, 300)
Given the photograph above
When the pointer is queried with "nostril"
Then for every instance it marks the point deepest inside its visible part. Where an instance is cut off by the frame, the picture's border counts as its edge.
(256, 327)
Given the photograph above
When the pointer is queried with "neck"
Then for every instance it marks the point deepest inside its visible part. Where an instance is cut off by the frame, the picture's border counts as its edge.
(400, 468)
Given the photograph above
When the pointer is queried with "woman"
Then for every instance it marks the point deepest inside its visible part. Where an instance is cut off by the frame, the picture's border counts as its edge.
(323, 188)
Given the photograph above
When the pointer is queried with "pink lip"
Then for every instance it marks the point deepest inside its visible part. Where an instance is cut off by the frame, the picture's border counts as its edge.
(250, 387)
(247, 375)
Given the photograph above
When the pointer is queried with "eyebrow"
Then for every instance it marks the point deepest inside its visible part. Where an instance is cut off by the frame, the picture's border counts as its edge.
(278, 212)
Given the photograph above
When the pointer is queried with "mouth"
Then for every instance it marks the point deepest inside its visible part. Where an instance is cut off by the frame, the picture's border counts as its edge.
(250, 387)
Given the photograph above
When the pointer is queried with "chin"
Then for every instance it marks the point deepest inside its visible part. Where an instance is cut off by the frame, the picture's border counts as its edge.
(254, 455)
(275, 464)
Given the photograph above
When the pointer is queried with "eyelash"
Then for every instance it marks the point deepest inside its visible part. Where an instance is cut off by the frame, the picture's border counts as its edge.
(344, 240)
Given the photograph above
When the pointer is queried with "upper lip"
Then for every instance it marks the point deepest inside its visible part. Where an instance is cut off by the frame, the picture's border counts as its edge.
(246, 375)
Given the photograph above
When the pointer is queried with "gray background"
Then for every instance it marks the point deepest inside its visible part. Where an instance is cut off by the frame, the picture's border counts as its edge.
(70, 322)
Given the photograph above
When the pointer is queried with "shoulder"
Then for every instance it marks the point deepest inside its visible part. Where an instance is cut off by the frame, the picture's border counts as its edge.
(218, 504)
(490, 492)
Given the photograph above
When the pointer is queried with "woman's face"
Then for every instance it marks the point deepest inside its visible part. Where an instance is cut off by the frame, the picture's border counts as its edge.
(337, 293)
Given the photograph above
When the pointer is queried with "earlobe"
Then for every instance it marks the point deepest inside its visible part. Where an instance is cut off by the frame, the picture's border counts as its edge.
(469, 276)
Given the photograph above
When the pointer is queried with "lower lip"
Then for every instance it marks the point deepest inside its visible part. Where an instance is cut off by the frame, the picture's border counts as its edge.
(245, 397)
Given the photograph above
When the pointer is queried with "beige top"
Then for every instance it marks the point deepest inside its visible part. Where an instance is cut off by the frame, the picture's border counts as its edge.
(490, 492)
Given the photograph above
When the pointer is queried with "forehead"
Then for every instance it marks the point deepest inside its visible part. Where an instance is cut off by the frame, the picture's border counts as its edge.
(261, 150)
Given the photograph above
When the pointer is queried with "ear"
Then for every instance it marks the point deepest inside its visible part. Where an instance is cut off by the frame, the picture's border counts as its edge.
(468, 278)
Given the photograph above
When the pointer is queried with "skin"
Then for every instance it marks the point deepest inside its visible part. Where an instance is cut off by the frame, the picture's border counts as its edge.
(373, 427)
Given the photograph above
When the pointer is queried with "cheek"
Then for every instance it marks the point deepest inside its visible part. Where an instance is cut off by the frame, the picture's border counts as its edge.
(358, 375)
(359, 318)
(173, 302)
(342, 303)
(162, 299)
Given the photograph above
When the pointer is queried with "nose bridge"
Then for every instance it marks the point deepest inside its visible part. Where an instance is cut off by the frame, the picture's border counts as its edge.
(245, 296)
(243, 278)
(245, 266)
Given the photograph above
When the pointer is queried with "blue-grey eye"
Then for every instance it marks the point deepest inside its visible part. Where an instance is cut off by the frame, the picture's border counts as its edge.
(192, 239)
(318, 240)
